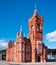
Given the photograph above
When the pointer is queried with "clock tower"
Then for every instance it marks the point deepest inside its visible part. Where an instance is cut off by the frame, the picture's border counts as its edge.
(36, 36)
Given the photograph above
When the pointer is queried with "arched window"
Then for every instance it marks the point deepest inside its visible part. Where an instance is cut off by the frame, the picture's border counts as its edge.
(23, 47)
(27, 48)
(38, 26)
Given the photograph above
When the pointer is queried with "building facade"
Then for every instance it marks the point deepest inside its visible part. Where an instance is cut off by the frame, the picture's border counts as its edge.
(51, 55)
(2, 54)
(30, 49)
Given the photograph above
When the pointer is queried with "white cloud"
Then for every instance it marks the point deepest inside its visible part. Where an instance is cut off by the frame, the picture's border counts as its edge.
(3, 44)
(51, 37)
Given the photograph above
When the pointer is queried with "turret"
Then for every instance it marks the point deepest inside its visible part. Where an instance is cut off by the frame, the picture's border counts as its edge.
(21, 33)
(11, 44)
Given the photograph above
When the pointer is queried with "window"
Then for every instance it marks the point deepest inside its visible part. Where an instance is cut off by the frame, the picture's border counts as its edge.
(27, 48)
(23, 57)
(39, 49)
(23, 46)
(38, 41)
(19, 56)
(38, 27)
(27, 57)
(19, 47)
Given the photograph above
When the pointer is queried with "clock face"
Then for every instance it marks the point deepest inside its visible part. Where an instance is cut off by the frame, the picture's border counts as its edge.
(32, 27)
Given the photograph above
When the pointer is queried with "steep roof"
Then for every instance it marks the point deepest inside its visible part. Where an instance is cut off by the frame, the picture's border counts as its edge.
(26, 39)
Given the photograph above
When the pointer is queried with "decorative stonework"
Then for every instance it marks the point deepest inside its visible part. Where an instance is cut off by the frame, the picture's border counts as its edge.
(32, 49)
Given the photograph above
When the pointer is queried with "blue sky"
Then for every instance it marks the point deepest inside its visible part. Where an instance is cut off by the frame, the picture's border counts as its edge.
(14, 13)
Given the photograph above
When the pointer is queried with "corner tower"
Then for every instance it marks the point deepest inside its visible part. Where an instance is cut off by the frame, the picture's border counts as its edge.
(36, 35)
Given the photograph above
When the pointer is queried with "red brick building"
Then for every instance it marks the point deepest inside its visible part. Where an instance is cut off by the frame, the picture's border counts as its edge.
(30, 49)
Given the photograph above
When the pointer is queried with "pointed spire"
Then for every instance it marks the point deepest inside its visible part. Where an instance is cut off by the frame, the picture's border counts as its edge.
(21, 33)
(35, 8)
(20, 28)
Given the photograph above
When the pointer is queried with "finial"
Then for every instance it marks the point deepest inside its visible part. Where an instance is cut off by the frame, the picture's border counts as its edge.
(35, 8)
